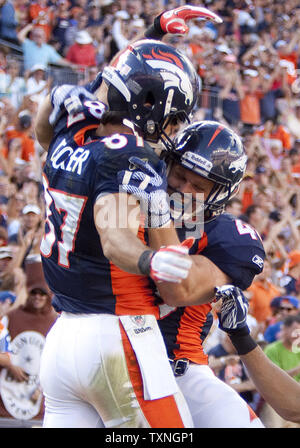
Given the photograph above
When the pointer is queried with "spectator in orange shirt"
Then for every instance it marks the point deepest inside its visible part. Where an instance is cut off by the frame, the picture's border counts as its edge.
(290, 281)
(22, 131)
(274, 130)
(249, 98)
(288, 53)
(295, 164)
(42, 16)
(260, 295)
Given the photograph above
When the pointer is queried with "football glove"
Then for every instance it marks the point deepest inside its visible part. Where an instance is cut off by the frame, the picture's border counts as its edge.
(234, 309)
(149, 187)
(233, 318)
(68, 98)
(174, 21)
(169, 264)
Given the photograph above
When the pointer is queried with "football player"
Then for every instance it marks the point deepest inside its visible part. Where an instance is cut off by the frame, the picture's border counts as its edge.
(208, 159)
(95, 370)
(103, 374)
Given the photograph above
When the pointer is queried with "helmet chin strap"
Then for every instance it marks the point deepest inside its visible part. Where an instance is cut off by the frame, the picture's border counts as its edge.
(164, 143)
(157, 147)
(133, 127)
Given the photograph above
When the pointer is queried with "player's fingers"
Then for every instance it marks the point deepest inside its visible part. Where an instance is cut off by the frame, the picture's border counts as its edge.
(142, 165)
(192, 12)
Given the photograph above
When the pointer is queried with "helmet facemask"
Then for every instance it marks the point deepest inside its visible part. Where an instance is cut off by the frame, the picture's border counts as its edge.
(212, 151)
(195, 210)
(215, 203)
(173, 120)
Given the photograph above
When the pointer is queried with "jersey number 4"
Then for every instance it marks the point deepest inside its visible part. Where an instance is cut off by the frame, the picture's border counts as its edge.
(70, 208)
(245, 229)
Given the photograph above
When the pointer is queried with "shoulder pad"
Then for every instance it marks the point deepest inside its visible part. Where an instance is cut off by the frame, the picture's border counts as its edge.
(236, 248)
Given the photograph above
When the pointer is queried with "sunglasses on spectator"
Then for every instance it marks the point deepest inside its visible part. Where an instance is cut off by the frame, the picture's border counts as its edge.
(286, 308)
(34, 292)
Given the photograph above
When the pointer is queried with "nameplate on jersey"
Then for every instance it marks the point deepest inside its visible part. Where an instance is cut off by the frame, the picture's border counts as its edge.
(66, 158)
(148, 345)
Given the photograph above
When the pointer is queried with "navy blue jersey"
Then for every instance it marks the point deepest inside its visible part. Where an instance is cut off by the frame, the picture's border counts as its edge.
(80, 167)
(236, 248)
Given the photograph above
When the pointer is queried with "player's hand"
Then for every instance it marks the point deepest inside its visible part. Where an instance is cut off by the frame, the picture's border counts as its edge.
(18, 373)
(57, 96)
(68, 98)
(174, 21)
(149, 187)
(234, 309)
(170, 264)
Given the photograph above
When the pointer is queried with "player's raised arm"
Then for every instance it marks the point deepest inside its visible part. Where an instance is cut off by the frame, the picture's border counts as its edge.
(117, 219)
(49, 113)
(175, 20)
(63, 100)
(42, 127)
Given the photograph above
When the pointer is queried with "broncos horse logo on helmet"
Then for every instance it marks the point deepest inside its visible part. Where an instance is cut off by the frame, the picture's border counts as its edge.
(152, 84)
(213, 151)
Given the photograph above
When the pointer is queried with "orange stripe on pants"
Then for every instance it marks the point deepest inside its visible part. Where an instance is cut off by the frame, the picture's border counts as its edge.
(161, 413)
(253, 416)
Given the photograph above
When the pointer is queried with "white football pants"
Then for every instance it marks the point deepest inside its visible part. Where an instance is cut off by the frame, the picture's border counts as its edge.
(91, 379)
(213, 403)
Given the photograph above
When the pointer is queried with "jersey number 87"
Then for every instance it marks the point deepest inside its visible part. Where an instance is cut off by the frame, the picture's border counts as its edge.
(68, 209)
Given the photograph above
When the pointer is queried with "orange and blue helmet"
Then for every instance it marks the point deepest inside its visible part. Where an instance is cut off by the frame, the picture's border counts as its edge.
(213, 151)
(151, 83)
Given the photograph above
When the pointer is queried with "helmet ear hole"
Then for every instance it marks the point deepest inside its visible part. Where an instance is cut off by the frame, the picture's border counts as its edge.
(149, 100)
(116, 100)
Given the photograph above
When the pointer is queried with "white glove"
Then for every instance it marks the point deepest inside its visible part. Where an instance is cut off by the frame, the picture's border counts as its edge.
(68, 98)
(169, 264)
(149, 187)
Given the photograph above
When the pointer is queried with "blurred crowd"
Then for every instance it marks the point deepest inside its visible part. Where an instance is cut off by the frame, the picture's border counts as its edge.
(250, 79)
